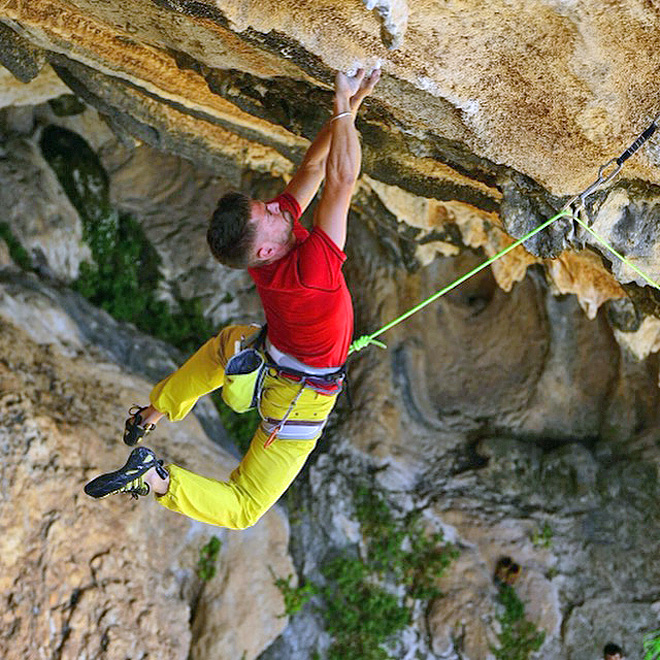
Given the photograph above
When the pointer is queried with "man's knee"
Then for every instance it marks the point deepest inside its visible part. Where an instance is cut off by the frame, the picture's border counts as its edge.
(249, 516)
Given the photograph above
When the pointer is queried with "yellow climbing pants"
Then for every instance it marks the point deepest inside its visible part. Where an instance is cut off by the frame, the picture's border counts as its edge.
(264, 473)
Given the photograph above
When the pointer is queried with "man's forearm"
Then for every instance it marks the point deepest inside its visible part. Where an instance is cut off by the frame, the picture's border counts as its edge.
(343, 163)
(317, 152)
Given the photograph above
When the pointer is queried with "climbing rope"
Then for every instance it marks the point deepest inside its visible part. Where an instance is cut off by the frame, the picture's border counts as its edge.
(605, 174)
(366, 340)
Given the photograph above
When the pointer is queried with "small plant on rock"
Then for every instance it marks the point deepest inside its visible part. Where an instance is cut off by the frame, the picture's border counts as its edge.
(651, 645)
(518, 637)
(542, 537)
(208, 556)
(295, 598)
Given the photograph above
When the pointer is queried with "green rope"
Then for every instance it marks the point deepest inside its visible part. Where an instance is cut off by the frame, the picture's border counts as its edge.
(600, 239)
(366, 340)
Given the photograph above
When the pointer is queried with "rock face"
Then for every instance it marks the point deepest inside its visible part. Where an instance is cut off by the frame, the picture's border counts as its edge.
(115, 578)
(518, 413)
(504, 109)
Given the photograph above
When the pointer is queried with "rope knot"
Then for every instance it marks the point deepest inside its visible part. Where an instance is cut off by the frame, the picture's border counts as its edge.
(363, 342)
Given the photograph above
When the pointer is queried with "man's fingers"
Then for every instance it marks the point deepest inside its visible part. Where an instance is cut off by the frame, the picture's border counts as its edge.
(373, 78)
(366, 87)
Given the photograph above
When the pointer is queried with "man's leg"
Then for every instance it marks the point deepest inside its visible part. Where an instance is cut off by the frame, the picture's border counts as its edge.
(202, 373)
(264, 473)
(253, 487)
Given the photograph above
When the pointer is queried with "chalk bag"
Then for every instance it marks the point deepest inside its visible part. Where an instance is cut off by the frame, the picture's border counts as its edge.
(243, 376)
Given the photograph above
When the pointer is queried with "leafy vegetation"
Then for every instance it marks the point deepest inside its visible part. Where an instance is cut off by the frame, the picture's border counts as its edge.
(208, 556)
(17, 252)
(368, 597)
(651, 645)
(125, 275)
(518, 637)
(294, 597)
(542, 537)
(418, 566)
(360, 614)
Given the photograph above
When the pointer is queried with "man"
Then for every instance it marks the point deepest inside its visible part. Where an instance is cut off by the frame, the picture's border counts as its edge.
(309, 319)
(612, 652)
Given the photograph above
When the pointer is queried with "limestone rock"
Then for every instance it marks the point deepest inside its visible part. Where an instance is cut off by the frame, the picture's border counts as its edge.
(45, 86)
(46, 223)
(501, 409)
(486, 111)
(116, 577)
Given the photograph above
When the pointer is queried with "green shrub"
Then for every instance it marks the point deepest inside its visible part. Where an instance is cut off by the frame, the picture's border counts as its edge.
(359, 614)
(542, 537)
(208, 556)
(359, 611)
(126, 272)
(651, 645)
(417, 568)
(294, 597)
(518, 637)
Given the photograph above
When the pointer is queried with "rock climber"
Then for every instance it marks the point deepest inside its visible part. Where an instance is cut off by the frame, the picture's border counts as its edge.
(309, 325)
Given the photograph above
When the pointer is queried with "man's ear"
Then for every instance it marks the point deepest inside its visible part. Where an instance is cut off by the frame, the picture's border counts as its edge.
(265, 252)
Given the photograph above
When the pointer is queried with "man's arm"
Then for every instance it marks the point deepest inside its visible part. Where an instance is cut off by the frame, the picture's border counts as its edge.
(344, 157)
(308, 177)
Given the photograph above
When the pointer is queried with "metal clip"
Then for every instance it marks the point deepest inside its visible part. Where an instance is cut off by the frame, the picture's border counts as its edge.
(602, 179)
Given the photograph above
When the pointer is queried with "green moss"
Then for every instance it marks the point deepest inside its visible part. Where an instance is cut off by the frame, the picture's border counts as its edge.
(518, 638)
(208, 556)
(17, 252)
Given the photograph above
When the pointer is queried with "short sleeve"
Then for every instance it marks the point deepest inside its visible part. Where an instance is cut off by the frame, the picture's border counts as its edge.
(320, 262)
(288, 203)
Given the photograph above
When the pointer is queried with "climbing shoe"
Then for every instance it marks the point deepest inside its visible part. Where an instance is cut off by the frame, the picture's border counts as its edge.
(128, 479)
(134, 430)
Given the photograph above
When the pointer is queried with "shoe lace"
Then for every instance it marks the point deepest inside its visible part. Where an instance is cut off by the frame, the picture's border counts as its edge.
(136, 488)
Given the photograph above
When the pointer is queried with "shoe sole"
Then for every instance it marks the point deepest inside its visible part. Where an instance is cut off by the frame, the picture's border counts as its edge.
(140, 460)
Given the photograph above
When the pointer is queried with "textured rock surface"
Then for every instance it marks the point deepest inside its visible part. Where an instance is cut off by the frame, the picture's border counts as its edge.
(488, 108)
(527, 397)
(115, 578)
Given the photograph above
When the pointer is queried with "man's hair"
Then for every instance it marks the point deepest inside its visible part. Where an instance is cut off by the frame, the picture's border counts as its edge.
(611, 649)
(230, 234)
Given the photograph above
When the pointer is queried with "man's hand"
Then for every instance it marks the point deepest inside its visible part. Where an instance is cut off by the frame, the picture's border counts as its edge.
(350, 91)
(365, 88)
(307, 179)
(346, 86)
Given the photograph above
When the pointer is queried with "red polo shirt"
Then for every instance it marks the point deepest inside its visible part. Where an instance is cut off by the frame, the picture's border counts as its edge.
(305, 298)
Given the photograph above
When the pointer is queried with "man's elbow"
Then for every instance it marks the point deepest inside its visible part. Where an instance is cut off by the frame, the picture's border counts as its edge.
(343, 177)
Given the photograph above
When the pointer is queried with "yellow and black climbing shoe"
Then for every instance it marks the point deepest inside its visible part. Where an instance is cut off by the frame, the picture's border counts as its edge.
(128, 479)
(134, 430)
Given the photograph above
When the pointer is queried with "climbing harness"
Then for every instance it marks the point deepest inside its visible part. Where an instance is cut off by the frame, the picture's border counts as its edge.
(605, 174)
(246, 372)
